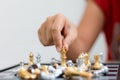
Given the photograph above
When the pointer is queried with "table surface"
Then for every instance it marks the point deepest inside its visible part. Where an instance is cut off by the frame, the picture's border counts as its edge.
(113, 74)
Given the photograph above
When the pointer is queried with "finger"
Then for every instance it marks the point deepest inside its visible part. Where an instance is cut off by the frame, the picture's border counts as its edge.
(42, 34)
(66, 42)
(49, 24)
(57, 28)
(70, 35)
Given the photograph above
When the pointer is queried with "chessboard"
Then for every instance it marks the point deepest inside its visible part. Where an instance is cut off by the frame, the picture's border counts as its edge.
(113, 73)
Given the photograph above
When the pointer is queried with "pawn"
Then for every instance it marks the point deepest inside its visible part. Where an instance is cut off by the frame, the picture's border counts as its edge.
(96, 65)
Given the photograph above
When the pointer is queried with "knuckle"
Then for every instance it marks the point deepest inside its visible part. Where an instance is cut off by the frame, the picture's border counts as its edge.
(59, 15)
(54, 29)
(49, 18)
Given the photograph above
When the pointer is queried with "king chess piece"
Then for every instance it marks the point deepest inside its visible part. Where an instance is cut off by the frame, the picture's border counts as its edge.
(63, 57)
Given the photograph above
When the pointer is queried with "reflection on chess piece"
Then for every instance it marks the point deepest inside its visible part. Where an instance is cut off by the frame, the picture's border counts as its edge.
(31, 58)
(96, 65)
(63, 57)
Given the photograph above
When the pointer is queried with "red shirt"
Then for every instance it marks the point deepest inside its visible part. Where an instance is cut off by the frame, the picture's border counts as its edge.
(111, 10)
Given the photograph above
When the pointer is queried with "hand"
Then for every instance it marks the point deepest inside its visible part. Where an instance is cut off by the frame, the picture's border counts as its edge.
(58, 31)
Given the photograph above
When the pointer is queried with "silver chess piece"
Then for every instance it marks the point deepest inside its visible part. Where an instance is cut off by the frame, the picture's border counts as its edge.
(69, 63)
(38, 60)
(101, 59)
(22, 64)
(104, 70)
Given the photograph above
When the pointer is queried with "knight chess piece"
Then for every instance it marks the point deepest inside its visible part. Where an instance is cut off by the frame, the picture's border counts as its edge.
(87, 61)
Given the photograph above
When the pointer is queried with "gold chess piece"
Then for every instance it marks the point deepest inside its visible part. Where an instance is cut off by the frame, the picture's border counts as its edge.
(96, 65)
(31, 58)
(45, 69)
(86, 60)
(63, 57)
(37, 71)
(72, 71)
(23, 73)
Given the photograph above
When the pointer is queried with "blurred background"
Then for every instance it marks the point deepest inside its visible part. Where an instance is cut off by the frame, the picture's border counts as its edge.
(20, 21)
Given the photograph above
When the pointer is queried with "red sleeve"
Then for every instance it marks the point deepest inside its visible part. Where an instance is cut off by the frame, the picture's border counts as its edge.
(104, 6)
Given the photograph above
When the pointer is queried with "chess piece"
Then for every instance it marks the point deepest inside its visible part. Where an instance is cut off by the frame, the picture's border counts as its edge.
(70, 63)
(101, 59)
(83, 62)
(72, 71)
(38, 59)
(33, 76)
(63, 57)
(104, 70)
(87, 61)
(37, 71)
(96, 65)
(45, 69)
(31, 58)
(55, 65)
(21, 64)
(23, 73)
(79, 61)
(45, 76)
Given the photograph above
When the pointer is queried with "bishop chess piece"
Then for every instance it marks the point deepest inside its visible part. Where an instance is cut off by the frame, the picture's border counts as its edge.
(38, 60)
(31, 58)
(96, 65)
(63, 57)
